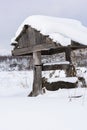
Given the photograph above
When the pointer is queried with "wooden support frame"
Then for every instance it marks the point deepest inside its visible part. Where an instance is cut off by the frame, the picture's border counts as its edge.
(70, 71)
(30, 41)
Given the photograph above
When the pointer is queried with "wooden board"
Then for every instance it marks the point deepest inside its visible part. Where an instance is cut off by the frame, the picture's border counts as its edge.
(55, 67)
(37, 71)
(31, 49)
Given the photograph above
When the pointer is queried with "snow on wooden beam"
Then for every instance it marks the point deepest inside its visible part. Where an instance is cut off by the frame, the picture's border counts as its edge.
(56, 83)
(60, 66)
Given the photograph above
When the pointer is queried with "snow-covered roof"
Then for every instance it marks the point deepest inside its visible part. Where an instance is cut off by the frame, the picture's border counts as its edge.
(60, 30)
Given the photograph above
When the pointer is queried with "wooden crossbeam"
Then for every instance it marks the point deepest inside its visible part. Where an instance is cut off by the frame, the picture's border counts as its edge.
(55, 67)
(52, 48)
(31, 49)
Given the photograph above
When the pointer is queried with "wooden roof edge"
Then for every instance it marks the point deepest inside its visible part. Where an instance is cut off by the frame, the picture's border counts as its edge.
(25, 27)
(77, 44)
(23, 31)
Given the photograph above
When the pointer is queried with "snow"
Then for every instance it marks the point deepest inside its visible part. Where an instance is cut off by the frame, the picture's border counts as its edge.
(15, 83)
(61, 30)
(53, 74)
(4, 51)
(42, 114)
(55, 110)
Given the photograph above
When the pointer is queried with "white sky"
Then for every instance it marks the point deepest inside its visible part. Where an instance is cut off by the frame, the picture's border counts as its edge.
(13, 13)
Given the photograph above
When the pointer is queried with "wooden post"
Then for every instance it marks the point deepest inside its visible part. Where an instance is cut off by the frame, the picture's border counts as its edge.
(70, 71)
(37, 70)
(68, 58)
(68, 54)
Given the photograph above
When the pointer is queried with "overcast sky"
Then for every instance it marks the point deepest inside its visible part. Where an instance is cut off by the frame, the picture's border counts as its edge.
(14, 12)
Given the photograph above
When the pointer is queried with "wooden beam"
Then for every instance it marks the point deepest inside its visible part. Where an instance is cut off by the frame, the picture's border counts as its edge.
(31, 49)
(47, 48)
(55, 67)
(78, 47)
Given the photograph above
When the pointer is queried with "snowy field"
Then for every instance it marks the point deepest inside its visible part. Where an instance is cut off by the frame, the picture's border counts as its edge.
(57, 110)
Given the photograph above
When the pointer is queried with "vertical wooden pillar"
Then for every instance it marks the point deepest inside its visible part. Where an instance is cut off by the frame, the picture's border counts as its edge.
(37, 73)
(68, 58)
(68, 54)
(70, 71)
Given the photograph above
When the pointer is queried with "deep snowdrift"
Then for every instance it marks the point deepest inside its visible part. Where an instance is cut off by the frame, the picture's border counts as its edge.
(56, 110)
(52, 111)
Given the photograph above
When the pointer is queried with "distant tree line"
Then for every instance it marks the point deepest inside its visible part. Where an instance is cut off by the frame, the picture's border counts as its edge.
(10, 63)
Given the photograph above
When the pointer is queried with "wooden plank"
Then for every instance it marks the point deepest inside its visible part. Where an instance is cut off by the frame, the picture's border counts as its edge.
(37, 58)
(22, 32)
(52, 47)
(31, 49)
(31, 35)
(38, 37)
(55, 67)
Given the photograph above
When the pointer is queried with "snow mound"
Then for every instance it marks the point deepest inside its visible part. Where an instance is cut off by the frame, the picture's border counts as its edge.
(65, 79)
(61, 30)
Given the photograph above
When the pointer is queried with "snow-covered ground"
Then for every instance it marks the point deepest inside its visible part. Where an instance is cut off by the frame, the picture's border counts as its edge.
(57, 110)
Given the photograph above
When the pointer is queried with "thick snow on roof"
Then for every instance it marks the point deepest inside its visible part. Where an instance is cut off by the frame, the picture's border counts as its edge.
(61, 30)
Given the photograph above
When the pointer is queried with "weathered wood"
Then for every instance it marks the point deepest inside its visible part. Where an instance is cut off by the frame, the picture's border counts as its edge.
(37, 58)
(71, 71)
(46, 49)
(68, 54)
(38, 37)
(22, 32)
(37, 83)
(26, 39)
(55, 67)
(60, 49)
(31, 36)
(31, 41)
(33, 48)
(21, 41)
